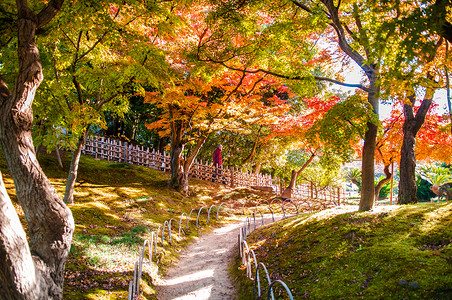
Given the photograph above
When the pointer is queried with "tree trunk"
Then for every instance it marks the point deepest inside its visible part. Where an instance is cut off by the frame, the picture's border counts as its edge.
(407, 183)
(370, 144)
(287, 193)
(180, 168)
(411, 126)
(383, 181)
(72, 177)
(252, 153)
(57, 153)
(177, 167)
(368, 169)
(257, 168)
(35, 271)
(17, 266)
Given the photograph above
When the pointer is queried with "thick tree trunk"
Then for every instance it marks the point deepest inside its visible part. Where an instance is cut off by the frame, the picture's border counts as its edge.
(72, 177)
(177, 167)
(287, 192)
(370, 144)
(36, 272)
(407, 183)
(371, 70)
(180, 168)
(19, 278)
(411, 126)
(368, 169)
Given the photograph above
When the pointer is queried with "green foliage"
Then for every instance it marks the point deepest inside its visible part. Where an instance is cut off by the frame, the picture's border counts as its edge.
(343, 125)
(95, 57)
(296, 158)
(321, 177)
(435, 175)
(424, 192)
(354, 176)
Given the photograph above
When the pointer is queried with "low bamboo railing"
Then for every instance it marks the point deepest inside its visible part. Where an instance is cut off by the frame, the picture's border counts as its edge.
(117, 151)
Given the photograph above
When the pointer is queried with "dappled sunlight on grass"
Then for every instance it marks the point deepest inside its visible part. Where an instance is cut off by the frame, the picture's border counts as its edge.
(341, 253)
(116, 206)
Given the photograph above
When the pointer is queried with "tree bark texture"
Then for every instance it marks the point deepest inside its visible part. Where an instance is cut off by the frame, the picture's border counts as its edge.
(411, 126)
(72, 177)
(177, 147)
(34, 271)
(368, 169)
(180, 167)
(176, 164)
(370, 144)
(407, 183)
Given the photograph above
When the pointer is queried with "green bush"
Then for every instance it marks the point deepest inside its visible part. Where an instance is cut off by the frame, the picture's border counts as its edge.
(424, 193)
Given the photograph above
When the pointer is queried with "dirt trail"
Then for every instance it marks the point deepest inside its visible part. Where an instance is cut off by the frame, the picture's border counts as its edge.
(202, 273)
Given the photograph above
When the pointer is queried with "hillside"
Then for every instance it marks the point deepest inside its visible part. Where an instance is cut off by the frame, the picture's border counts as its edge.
(116, 207)
(401, 252)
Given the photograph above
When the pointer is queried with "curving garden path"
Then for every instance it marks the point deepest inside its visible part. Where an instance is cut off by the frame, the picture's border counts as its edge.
(202, 271)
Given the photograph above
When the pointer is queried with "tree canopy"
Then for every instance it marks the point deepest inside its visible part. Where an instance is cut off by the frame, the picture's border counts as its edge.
(256, 73)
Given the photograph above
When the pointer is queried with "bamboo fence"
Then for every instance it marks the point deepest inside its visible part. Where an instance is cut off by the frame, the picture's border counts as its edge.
(117, 151)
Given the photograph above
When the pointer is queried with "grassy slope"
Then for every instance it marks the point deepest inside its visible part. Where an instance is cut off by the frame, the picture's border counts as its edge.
(326, 255)
(351, 255)
(116, 207)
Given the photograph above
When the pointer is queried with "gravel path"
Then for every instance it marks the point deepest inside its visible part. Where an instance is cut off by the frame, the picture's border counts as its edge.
(202, 273)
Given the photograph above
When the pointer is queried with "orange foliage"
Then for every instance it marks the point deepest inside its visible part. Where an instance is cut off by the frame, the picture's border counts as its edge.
(433, 142)
(225, 102)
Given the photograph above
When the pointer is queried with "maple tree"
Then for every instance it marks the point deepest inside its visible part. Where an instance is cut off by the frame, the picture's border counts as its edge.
(433, 142)
(195, 109)
(96, 62)
(364, 31)
(35, 270)
(288, 32)
(204, 98)
(415, 67)
(326, 129)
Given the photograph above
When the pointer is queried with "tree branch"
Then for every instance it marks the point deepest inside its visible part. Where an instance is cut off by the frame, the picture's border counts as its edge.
(49, 12)
(318, 78)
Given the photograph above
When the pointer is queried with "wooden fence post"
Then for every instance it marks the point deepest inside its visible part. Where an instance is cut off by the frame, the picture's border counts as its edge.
(232, 176)
(125, 152)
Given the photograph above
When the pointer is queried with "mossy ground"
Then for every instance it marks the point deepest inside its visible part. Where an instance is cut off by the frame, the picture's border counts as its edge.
(398, 252)
(332, 254)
